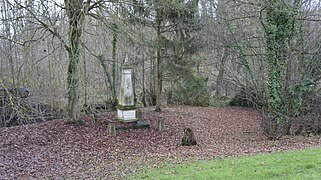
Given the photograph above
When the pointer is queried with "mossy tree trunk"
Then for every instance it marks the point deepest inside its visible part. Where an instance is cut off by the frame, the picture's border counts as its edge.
(76, 11)
(114, 56)
(114, 51)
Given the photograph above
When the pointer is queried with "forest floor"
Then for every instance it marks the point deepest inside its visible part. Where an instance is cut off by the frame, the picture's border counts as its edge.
(57, 150)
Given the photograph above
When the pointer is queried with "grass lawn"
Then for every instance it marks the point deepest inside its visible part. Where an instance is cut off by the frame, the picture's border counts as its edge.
(300, 164)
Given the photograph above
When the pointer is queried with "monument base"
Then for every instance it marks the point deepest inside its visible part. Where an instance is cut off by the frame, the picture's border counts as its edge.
(113, 126)
(140, 124)
(127, 115)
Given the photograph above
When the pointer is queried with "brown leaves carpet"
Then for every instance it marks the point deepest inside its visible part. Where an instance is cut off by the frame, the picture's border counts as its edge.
(56, 150)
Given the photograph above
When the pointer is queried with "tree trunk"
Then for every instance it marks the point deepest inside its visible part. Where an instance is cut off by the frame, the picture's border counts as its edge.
(114, 51)
(107, 79)
(220, 76)
(279, 33)
(114, 54)
(76, 13)
(85, 84)
(73, 87)
(152, 84)
(158, 61)
(143, 82)
(73, 71)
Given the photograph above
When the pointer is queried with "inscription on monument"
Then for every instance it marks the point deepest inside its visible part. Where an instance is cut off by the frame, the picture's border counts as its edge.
(129, 114)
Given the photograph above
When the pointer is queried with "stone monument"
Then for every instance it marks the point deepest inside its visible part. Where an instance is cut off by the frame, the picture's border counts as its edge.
(126, 108)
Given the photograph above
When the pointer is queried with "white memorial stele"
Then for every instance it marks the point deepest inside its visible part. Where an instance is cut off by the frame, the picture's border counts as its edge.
(126, 109)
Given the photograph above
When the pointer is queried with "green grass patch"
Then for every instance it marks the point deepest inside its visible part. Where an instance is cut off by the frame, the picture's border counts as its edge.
(300, 164)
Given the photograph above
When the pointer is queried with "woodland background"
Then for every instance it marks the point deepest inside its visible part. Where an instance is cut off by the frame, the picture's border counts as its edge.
(262, 54)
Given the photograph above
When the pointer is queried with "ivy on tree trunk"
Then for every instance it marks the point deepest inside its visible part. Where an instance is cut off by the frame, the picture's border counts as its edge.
(76, 11)
(280, 20)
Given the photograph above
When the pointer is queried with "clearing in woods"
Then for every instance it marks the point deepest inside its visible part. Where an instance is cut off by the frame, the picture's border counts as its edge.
(55, 149)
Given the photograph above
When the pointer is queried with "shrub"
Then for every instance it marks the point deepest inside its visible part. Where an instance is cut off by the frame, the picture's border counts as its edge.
(190, 91)
(248, 97)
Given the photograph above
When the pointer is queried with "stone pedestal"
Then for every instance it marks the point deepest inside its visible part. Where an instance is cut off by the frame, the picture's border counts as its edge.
(160, 124)
(111, 129)
(126, 109)
(127, 115)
